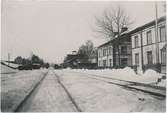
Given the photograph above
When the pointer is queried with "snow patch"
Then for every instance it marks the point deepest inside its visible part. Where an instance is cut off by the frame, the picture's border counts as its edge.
(151, 73)
(128, 74)
(14, 87)
(96, 96)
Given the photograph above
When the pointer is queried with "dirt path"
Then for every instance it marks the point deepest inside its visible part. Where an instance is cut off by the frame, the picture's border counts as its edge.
(48, 97)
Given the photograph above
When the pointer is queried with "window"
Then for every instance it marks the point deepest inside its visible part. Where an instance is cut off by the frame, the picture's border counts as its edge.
(104, 63)
(124, 61)
(123, 49)
(136, 41)
(103, 52)
(149, 57)
(109, 50)
(99, 63)
(162, 33)
(137, 59)
(99, 53)
(163, 56)
(149, 37)
(110, 60)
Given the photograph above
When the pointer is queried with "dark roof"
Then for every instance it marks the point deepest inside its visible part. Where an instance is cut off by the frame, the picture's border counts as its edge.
(126, 35)
(105, 44)
(161, 19)
(123, 36)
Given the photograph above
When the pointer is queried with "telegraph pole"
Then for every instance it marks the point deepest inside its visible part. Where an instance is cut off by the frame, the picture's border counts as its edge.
(8, 58)
(156, 33)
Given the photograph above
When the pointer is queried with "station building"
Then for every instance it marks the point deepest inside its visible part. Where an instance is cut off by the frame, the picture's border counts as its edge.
(149, 51)
(115, 53)
(138, 48)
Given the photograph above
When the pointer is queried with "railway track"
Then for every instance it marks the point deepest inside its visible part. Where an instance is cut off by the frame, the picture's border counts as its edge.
(17, 109)
(68, 93)
(155, 91)
(146, 88)
(37, 87)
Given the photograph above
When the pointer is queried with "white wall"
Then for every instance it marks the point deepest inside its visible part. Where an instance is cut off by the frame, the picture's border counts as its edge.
(149, 48)
(152, 47)
(134, 51)
(107, 57)
(133, 39)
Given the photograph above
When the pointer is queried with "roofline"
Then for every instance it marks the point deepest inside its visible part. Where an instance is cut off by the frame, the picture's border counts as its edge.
(111, 41)
(104, 44)
(161, 19)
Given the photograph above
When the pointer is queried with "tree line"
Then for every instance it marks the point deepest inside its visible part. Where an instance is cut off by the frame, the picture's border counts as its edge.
(34, 60)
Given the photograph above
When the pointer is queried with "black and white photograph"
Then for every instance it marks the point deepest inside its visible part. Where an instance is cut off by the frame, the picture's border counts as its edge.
(83, 56)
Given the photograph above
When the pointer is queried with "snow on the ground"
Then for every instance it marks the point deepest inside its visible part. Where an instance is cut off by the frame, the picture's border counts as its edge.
(14, 87)
(5, 69)
(49, 97)
(95, 96)
(11, 64)
(149, 77)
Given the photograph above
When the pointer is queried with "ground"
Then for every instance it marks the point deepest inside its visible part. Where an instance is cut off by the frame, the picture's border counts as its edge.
(90, 95)
(49, 97)
(97, 96)
(16, 85)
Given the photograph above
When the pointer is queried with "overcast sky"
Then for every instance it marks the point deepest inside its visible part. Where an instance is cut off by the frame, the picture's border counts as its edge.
(52, 29)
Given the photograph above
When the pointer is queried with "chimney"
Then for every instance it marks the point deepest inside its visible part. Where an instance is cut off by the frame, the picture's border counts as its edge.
(115, 33)
(124, 29)
(74, 52)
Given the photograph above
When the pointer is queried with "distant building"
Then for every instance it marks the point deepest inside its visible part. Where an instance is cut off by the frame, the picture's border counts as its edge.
(75, 60)
(71, 60)
(145, 46)
(115, 53)
(93, 56)
(105, 55)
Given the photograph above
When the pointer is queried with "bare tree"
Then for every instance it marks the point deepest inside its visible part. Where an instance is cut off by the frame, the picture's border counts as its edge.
(86, 49)
(111, 24)
(112, 21)
(164, 5)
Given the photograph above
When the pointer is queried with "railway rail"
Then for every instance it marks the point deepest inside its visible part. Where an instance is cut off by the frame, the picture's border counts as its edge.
(17, 109)
(57, 79)
(146, 88)
(160, 93)
(68, 93)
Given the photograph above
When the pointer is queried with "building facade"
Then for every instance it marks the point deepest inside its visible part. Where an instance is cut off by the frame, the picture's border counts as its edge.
(122, 52)
(105, 55)
(149, 51)
(93, 57)
(115, 53)
(80, 61)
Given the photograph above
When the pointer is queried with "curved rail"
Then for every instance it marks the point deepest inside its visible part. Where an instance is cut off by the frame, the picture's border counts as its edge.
(68, 93)
(146, 88)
